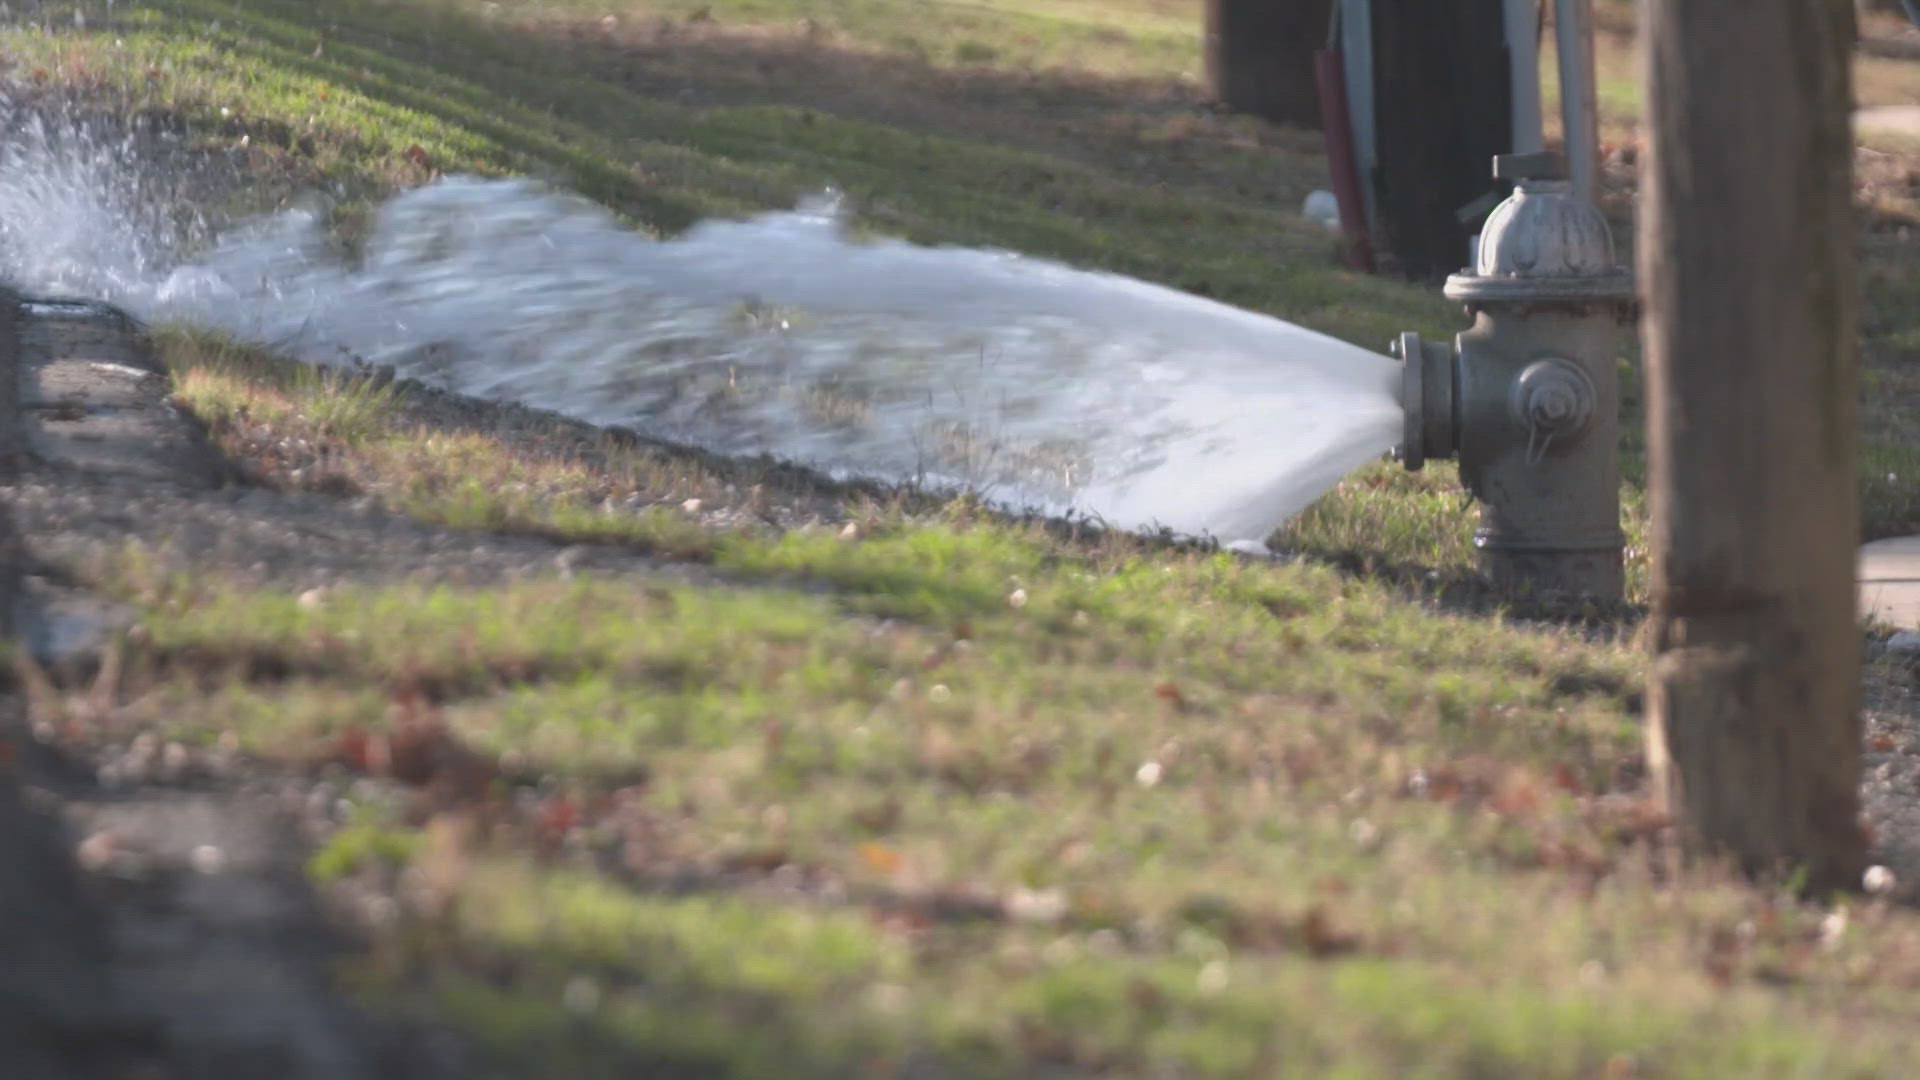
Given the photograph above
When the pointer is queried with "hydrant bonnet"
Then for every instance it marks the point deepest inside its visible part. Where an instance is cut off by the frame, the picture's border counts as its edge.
(1542, 243)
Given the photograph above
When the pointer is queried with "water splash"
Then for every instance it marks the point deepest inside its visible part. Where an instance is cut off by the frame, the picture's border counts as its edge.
(1036, 385)
(93, 207)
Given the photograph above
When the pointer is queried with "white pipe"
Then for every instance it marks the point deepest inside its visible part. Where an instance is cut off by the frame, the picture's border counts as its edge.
(1523, 53)
(1579, 101)
(1356, 46)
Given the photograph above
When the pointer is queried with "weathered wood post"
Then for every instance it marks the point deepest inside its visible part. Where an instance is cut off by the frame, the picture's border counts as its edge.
(1746, 261)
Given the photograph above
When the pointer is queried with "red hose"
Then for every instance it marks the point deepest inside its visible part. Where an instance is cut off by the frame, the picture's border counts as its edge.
(1330, 72)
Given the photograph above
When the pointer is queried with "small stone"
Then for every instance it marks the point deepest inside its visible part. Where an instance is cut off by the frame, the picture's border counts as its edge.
(208, 859)
(1906, 641)
(888, 997)
(1878, 880)
(939, 693)
(582, 995)
(1148, 774)
(851, 532)
(1017, 599)
(96, 851)
(174, 760)
(1833, 927)
(1037, 905)
(1214, 977)
(381, 910)
(312, 599)
(692, 506)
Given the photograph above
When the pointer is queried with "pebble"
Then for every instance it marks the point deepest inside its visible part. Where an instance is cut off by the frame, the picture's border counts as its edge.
(96, 850)
(174, 761)
(208, 859)
(582, 995)
(1037, 905)
(1213, 977)
(1878, 880)
(570, 558)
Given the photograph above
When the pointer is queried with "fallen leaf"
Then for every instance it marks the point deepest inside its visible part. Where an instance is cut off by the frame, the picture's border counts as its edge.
(757, 860)
(1170, 693)
(1567, 780)
(880, 858)
(1323, 937)
(1517, 793)
(559, 815)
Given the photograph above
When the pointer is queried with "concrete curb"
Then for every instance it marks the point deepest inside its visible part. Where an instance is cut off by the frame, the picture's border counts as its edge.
(1890, 582)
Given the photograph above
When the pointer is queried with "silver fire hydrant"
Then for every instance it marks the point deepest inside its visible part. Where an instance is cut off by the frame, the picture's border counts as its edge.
(1528, 399)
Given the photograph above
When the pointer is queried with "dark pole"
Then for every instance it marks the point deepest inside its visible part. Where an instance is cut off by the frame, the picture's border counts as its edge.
(1443, 110)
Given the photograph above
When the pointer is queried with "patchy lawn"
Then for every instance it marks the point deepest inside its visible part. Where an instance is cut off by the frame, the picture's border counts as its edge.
(894, 788)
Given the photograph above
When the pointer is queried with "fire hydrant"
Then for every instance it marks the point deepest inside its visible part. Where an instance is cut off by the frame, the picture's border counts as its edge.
(1528, 398)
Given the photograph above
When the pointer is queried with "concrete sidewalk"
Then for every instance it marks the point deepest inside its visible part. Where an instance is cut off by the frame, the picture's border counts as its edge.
(1890, 581)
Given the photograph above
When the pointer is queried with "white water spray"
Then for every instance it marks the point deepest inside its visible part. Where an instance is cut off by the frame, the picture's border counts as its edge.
(1034, 384)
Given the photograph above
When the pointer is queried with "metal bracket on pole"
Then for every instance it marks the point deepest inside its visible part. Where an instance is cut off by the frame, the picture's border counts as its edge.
(1579, 101)
(1523, 53)
(1356, 47)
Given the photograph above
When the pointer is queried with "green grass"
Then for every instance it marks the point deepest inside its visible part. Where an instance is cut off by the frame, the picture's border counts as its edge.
(940, 792)
(1137, 38)
(1169, 813)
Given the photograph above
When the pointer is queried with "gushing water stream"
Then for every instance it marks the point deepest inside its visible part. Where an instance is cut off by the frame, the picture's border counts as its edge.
(1036, 385)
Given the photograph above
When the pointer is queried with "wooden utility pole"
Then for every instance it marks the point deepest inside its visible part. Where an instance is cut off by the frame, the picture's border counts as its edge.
(1746, 264)
(1260, 57)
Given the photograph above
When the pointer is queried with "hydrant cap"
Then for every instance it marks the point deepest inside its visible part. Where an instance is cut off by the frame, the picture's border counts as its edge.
(1543, 242)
